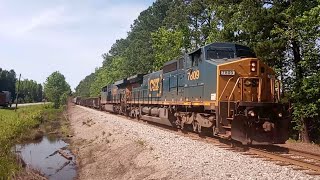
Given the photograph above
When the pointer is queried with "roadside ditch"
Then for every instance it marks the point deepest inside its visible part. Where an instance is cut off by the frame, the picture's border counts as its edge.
(35, 144)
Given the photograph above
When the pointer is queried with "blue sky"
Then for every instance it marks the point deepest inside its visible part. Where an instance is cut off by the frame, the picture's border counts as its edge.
(38, 37)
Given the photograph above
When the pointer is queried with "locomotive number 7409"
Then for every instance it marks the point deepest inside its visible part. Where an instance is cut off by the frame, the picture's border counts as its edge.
(193, 75)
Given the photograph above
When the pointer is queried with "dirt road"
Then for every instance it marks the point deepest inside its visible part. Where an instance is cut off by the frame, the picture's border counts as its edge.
(30, 104)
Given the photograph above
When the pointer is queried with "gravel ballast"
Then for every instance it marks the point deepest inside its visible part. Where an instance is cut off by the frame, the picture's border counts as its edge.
(113, 147)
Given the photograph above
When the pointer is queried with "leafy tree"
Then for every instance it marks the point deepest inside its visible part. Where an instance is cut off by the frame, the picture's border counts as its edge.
(56, 89)
(83, 89)
(139, 55)
(300, 29)
(167, 45)
(29, 91)
(108, 74)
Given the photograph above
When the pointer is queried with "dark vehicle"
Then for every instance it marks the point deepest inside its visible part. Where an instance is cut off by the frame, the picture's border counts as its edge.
(220, 87)
(5, 99)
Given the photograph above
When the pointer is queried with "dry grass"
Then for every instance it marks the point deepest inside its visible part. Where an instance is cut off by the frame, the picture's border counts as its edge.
(141, 142)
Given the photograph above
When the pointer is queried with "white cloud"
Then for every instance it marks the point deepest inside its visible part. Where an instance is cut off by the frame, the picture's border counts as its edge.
(17, 26)
(46, 18)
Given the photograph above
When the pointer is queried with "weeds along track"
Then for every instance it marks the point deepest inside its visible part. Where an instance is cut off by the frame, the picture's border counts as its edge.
(297, 159)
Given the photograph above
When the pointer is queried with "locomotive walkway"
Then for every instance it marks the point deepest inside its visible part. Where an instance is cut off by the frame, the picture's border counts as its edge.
(113, 147)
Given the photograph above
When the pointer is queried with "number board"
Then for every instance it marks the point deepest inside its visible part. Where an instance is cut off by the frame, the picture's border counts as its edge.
(227, 72)
(193, 75)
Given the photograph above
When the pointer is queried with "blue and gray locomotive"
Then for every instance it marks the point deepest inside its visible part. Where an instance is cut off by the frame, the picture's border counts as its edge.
(220, 87)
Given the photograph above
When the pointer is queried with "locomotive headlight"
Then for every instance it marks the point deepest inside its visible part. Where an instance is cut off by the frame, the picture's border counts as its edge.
(251, 113)
(280, 115)
(253, 66)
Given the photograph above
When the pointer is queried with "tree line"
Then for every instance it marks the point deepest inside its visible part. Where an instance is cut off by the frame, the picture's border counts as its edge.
(29, 91)
(284, 34)
(55, 89)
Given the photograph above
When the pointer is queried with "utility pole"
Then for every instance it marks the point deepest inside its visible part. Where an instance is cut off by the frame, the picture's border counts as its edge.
(17, 94)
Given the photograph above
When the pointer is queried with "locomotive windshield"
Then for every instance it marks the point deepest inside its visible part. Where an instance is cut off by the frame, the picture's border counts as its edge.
(245, 52)
(227, 51)
(220, 53)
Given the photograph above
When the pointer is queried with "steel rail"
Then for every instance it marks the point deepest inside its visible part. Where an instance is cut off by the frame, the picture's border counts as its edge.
(287, 159)
(304, 154)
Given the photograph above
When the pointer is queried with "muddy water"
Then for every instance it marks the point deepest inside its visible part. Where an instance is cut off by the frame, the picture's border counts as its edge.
(44, 157)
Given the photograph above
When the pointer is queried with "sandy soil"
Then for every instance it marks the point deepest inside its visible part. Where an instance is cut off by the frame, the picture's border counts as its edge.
(104, 153)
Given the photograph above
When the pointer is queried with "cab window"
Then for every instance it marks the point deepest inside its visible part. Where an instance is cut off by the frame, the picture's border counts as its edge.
(220, 53)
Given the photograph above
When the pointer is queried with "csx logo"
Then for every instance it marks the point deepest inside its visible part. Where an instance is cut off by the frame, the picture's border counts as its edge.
(193, 75)
(154, 84)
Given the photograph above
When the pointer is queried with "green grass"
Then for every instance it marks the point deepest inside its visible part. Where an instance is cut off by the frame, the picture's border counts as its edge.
(17, 127)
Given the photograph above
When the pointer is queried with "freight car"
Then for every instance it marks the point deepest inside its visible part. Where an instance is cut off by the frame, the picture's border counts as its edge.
(220, 87)
(5, 99)
(93, 102)
(76, 100)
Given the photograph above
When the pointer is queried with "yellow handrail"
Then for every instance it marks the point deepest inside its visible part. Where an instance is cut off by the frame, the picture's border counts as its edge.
(272, 89)
(279, 87)
(225, 87)
(273, 82)
(234, 87)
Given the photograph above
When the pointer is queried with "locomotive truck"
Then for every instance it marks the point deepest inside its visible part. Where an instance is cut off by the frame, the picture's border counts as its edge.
(220, 87)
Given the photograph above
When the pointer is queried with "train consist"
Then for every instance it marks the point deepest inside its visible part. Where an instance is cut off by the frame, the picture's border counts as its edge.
(221, 87)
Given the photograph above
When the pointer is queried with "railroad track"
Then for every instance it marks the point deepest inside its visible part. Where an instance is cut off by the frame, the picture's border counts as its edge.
(299, 160)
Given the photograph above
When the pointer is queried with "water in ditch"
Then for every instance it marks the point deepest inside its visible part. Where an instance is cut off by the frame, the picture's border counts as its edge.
(50, 157)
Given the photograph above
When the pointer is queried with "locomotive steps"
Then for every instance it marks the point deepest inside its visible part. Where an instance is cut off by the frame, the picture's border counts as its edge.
(114, 147)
